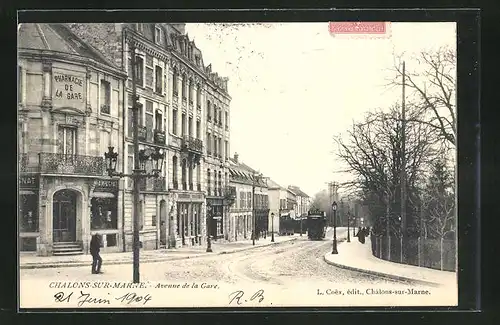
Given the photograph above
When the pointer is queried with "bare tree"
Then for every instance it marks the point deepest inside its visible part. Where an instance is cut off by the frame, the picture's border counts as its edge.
(373, 153)
(432, 84)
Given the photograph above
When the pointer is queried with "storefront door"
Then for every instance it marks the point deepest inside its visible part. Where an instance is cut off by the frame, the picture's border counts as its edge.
(64, 216)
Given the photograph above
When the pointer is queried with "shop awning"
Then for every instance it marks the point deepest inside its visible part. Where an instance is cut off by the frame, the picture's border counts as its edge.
(103, 195)
(26, 192)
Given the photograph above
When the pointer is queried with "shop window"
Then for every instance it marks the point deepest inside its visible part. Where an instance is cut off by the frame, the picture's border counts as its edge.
(103, 213)
(28, 214)
(111, 240)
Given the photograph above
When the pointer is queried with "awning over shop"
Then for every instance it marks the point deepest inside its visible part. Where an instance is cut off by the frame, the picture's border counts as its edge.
(103, 195)
(26, 192)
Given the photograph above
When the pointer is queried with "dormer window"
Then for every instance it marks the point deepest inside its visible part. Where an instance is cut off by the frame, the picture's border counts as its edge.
(139, 28)
(197, 59)
(157, 35)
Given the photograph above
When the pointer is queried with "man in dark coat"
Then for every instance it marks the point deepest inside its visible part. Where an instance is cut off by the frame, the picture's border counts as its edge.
(95, 248)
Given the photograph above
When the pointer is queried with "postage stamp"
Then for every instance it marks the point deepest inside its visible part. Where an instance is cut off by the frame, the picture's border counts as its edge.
(190, 165)
(360, 30)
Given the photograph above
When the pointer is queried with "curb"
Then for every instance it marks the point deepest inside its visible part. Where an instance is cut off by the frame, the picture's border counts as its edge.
(379, 274)
(152, 260)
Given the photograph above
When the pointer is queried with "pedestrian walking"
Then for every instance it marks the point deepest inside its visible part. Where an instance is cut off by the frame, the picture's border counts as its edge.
(95, 248)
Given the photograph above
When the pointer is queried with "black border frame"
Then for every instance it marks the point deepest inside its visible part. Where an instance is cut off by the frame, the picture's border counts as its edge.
(468, 51)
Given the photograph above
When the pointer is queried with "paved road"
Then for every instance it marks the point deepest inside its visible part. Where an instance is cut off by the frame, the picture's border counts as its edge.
(281, 264)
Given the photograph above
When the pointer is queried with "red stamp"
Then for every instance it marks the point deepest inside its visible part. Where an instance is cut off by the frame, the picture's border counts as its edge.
(373, 29)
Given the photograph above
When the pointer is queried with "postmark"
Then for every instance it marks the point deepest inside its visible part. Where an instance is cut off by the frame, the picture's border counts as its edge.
(360, 29)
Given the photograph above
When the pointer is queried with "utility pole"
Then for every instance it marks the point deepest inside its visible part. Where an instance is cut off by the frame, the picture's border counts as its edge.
(403, 156)
(137, 168)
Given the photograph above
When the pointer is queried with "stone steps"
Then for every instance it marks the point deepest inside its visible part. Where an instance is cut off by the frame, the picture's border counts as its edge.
(67, 248)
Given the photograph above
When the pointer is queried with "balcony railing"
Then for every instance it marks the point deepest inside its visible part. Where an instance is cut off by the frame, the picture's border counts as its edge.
(54, 163)
(153, 184)
(159, 137)
(142, 134)
(29, 163)
(192, 144)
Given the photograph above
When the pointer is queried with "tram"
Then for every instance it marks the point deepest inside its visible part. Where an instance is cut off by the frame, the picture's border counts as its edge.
(316, 225)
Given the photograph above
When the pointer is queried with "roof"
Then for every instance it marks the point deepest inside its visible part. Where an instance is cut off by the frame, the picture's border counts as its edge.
(57, 38)
(297, 191)
(242, 172)
(273, 184)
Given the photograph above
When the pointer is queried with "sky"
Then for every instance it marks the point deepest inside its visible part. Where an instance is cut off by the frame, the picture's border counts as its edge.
(294, 87)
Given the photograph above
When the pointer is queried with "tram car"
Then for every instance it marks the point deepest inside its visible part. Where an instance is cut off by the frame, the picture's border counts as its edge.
(316, 225)
(287, 227)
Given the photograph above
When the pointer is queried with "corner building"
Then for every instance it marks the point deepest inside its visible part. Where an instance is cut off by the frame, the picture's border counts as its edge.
(173, 86)
(70, 104)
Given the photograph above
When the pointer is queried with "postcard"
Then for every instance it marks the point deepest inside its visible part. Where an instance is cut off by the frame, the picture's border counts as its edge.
(196, 165)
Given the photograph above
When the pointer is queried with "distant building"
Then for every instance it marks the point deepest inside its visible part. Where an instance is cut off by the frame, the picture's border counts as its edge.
(303, 201)
(242, 179)
(277, 204)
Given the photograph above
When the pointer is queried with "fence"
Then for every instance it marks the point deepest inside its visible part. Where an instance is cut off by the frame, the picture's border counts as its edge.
(432, 253)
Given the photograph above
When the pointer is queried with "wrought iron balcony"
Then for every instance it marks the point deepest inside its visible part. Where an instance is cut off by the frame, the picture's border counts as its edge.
(153, 184)
(191, 143)
(159, 137)
(54, 163)
(142, 134)
(27, 165)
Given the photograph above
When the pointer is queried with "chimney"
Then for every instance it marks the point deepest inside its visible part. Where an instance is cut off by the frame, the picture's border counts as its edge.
(236, 157)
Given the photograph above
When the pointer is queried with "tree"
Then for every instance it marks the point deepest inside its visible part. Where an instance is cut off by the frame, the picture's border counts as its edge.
(439, 201)
(373, 153)
(432, 84)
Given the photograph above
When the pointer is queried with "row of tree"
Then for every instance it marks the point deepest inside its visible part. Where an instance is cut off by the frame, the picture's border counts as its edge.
(373, 152)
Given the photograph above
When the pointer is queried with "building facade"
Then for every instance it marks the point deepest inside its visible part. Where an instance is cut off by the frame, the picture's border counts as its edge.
(277, 205)
(174, 88)
(303, 201)
(251, 200)
(70, 105)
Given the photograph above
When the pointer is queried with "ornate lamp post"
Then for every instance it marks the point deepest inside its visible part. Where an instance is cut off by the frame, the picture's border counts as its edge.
(334, 208)
(272, 227)
(141, 158)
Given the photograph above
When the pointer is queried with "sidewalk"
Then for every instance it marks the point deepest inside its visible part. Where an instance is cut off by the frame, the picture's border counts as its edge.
(358, 257)
(149, 256)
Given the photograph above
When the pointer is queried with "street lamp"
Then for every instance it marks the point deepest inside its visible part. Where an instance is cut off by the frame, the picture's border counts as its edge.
(209, 215)
(141, 158)
(272, 227)
(334, 208)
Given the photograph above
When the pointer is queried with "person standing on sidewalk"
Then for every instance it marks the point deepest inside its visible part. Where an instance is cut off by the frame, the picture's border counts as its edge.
(95, 248)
